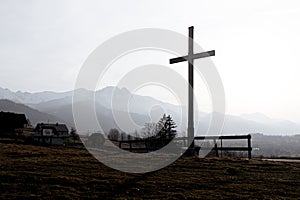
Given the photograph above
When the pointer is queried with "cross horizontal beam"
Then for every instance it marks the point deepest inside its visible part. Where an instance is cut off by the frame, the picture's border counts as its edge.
(194, 56)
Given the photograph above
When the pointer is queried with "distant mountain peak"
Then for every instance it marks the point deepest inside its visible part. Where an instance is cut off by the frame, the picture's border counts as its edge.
(59, 104)
(259, 117)
(256, 114)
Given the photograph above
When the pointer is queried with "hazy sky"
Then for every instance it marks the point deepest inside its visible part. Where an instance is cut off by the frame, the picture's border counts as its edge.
(44, 44)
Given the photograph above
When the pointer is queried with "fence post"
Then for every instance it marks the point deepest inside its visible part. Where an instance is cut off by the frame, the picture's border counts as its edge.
(249, 146)
(221, 148)
(130, 146)
(216, 148)
(146, 145)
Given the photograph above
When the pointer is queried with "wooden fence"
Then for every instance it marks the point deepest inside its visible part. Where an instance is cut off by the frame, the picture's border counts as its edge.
(221, 148)
(216, 148)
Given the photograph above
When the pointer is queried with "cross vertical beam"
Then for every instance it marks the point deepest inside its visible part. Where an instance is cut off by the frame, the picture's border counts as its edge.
(191, 88)
(190, 58)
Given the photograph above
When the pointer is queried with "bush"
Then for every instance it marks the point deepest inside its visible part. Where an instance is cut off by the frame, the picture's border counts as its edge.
(95, 140)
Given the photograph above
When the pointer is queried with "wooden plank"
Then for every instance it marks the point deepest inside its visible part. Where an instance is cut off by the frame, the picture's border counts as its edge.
(141, 150)
(194, 56)
(178, 59)
(204, 54)
(216, 137)
(234, 148)
(226, 148)
(228, 137)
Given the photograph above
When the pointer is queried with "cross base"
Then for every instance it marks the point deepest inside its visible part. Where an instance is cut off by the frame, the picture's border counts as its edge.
(191, 135)
(190, 152)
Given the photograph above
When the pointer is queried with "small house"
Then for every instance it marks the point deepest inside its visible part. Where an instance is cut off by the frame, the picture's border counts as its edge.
(10, 121)
(53, 134)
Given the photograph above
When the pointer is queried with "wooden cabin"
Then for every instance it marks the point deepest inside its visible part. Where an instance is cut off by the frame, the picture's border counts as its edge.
(10, 121)
(52, 134)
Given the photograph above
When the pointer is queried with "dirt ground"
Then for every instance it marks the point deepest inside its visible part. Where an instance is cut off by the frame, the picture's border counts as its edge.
(60, 172)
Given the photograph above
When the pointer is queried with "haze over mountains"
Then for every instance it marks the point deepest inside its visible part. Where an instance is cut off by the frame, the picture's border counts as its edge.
(33, 115)
(57, 107)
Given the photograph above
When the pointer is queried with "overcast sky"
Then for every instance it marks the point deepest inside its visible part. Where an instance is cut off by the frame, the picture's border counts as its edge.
(44, 44)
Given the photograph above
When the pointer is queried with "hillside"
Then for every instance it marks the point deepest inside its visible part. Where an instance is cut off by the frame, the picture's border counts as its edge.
(105, 117)
(66, 173)
(33, 115)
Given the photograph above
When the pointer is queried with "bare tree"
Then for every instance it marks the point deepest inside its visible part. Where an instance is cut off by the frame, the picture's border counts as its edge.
(123, 136)
(149, 130)
(74, 135)
(113, 134)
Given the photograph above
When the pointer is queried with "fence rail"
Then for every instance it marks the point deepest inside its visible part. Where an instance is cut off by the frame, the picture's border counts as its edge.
(216, 148)
(229, 137)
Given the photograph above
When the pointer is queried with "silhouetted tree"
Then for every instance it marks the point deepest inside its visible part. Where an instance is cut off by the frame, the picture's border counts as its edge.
(170, 127)
(74, 135)
(136, 134)
(123, 136)
(129, 137)
(162, 132)
(149, 130)
(165, 127)
(113, 134)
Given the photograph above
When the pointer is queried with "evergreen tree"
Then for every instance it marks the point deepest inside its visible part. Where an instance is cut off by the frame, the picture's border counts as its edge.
(170, 127)
(161, 133)
(165, 127)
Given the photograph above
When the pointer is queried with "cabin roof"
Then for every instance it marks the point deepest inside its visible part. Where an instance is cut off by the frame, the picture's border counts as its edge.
(10, 117)
(58, 127)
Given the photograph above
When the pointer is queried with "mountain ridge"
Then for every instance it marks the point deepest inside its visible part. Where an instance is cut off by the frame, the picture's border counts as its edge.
(33, 115)
(59, 105)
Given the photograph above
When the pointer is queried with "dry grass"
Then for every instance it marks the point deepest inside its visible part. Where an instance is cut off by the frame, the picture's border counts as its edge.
(60, 172)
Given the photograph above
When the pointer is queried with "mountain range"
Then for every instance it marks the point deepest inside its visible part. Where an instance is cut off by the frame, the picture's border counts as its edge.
(57, 107)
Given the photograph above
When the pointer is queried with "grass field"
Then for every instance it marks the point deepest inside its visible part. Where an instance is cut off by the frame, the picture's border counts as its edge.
(60, 172)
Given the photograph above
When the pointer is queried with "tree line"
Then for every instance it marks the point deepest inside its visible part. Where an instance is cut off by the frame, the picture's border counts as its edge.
(165, 128)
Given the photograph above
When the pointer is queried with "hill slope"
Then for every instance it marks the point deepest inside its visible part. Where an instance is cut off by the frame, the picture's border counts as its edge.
(33, 115)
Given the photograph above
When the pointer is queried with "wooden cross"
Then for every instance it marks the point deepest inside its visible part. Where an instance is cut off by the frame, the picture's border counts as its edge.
(190, 58)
